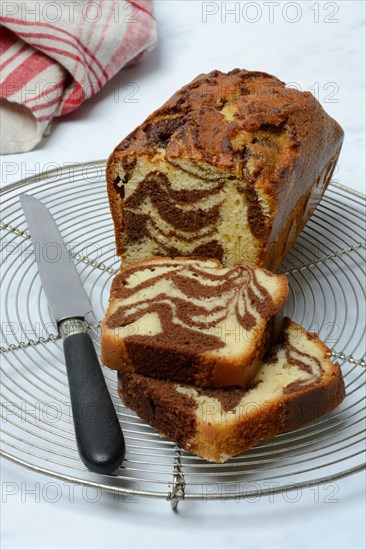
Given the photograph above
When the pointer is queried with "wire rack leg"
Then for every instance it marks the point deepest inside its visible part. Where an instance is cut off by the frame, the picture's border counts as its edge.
(177, 492)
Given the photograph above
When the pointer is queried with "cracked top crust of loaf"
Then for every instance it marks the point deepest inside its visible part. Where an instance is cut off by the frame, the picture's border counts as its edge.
(230, 167)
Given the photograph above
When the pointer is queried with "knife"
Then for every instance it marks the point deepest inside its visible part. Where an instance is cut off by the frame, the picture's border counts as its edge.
(98, 432)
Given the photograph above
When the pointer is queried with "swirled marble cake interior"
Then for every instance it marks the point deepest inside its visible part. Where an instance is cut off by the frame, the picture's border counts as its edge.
(231, 167)
(192, 321)
(295, 384)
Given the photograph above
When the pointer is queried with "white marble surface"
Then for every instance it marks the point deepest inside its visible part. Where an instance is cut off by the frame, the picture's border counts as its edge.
(304, 52)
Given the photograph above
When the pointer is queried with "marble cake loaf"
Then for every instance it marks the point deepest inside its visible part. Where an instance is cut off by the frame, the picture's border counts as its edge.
(192, 321)
(295, 385)
(230, 167)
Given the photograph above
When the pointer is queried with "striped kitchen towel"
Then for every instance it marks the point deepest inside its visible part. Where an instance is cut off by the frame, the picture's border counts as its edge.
(55, 55)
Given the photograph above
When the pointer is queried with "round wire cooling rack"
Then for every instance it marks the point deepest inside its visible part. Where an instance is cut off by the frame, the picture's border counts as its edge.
(326, 275)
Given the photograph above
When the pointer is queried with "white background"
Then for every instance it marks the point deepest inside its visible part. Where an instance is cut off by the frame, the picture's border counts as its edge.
(321, 49)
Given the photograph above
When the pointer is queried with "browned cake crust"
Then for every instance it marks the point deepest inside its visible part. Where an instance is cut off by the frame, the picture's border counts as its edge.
(190, 321)
(276, 147)
(217, 424)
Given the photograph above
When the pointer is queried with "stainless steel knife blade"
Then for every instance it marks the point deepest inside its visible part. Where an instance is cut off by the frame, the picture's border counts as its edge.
(60, 280)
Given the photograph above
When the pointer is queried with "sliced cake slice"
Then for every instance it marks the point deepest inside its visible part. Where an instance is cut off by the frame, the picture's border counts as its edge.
(189, 320)
(296, 384)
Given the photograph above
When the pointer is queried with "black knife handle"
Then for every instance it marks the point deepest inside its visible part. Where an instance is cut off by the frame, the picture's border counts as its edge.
(98, 432)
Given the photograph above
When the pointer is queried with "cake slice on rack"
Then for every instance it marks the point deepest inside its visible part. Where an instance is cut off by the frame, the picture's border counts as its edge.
(189, 320)
(296, 384)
